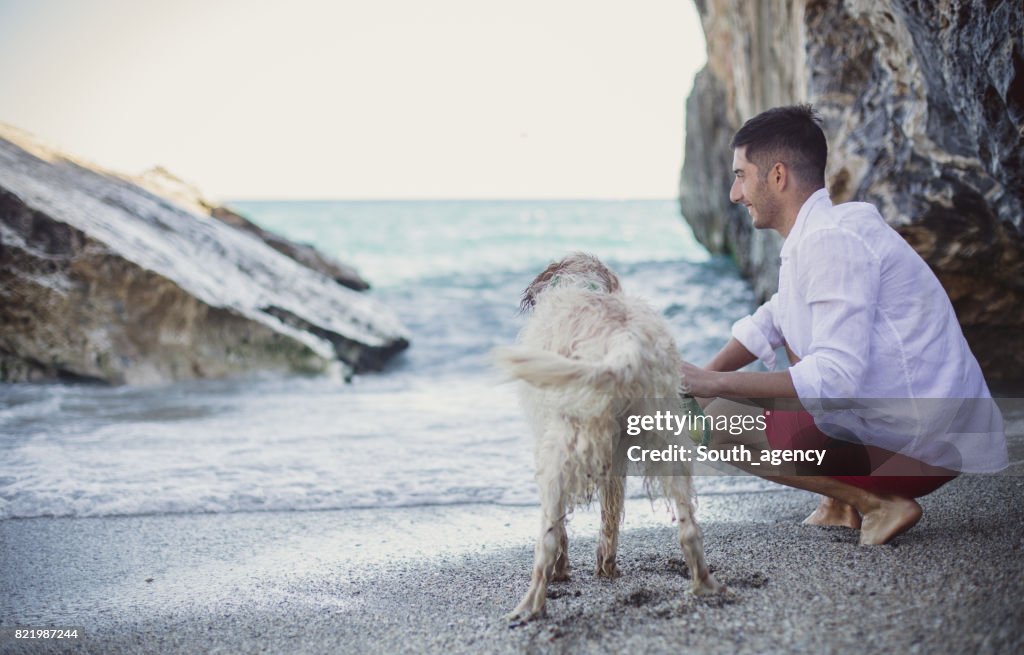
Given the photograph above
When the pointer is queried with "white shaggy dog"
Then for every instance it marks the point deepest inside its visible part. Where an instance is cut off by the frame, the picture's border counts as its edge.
(590, 356)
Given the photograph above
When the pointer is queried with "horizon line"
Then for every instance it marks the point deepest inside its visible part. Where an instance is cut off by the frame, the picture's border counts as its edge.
(449, 199)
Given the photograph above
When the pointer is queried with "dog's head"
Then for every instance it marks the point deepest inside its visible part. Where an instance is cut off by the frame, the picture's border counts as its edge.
(578, 269)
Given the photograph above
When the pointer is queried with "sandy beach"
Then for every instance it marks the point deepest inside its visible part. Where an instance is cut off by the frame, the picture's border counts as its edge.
(439, 580)
(259, 264)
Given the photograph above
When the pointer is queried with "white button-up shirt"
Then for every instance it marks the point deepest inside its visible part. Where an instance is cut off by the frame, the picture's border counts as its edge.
(869, 320)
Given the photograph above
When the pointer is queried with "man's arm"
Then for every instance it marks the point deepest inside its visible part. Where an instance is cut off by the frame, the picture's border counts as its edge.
(839, 278)
(736, 384)
(759, 333)
(732, 357)
(719, 378)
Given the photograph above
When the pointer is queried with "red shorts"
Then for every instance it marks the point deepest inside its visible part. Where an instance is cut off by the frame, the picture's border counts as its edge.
(797, 431)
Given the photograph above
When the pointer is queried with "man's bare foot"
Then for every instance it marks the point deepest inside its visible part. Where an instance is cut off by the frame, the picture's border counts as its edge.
(893, 516)
(834, 512)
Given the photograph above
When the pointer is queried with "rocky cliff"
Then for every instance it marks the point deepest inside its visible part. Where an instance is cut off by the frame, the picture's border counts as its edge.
(923, 105)
(165, 184)
(104, 279)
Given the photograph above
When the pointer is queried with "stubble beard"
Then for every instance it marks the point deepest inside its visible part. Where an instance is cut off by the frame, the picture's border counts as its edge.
(769, 209)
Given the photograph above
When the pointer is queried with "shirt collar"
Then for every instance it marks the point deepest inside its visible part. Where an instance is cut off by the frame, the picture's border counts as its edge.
(801, 219)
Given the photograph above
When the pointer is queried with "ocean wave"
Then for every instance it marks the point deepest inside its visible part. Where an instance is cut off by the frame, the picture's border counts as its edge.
(436, 428)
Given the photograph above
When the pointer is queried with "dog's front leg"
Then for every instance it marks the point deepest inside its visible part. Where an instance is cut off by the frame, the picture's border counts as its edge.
(690, 538)
(612, 491)
(550, 544)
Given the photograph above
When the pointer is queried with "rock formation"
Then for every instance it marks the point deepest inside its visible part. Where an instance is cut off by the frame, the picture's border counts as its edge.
(165, 184)
(923, 106)
(102, 279)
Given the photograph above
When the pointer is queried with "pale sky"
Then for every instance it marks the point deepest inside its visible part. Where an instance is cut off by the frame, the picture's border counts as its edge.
(362, 99)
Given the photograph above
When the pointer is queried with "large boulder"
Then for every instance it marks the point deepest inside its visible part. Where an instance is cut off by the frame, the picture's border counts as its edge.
(164, 183)
(103, 279)
(923, 104)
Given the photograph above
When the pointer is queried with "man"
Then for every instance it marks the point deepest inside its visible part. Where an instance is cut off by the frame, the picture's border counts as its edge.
(861, 316)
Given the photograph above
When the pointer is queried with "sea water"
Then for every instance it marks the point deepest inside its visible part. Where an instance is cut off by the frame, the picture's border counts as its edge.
(437, 427)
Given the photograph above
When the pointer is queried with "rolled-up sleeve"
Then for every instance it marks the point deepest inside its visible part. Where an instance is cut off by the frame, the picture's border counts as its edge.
(759, 333)
(839, 277)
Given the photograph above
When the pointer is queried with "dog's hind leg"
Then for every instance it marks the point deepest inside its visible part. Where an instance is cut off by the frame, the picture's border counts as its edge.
(550, 543)
(561, 572)
(611, 516)
(703, 582)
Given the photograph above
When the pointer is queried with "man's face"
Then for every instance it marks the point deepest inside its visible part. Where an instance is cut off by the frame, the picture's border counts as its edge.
(750, 190)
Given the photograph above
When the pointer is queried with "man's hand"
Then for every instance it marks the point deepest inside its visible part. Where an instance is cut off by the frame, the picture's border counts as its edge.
(702, 383)
(699, 382)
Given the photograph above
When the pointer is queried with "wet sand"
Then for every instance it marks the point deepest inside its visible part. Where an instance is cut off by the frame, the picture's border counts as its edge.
(439, 579)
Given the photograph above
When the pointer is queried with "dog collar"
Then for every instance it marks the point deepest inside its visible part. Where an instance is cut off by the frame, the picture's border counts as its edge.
(583, 284)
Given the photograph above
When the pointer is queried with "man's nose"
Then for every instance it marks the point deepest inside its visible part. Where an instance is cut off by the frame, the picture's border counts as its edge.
(736, 191)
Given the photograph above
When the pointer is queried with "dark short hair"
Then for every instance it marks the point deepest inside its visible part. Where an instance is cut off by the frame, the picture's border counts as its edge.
(792, 135)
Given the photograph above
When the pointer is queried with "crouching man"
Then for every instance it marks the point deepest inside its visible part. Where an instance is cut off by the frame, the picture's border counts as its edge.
(878, 363)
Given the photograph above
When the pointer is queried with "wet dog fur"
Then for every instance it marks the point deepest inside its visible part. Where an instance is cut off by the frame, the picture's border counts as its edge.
(588, 356)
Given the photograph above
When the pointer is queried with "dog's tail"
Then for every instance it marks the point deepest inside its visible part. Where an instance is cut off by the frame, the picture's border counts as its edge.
(541, 368)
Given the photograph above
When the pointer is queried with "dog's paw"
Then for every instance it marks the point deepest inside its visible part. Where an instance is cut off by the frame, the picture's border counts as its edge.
(520, 616)
(708, 587)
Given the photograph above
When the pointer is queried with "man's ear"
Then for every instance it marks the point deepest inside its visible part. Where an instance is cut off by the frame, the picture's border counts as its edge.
(779, 176)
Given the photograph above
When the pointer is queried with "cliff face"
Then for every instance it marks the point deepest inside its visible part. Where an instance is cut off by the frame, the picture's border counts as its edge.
(102, 279)
(923, 105)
